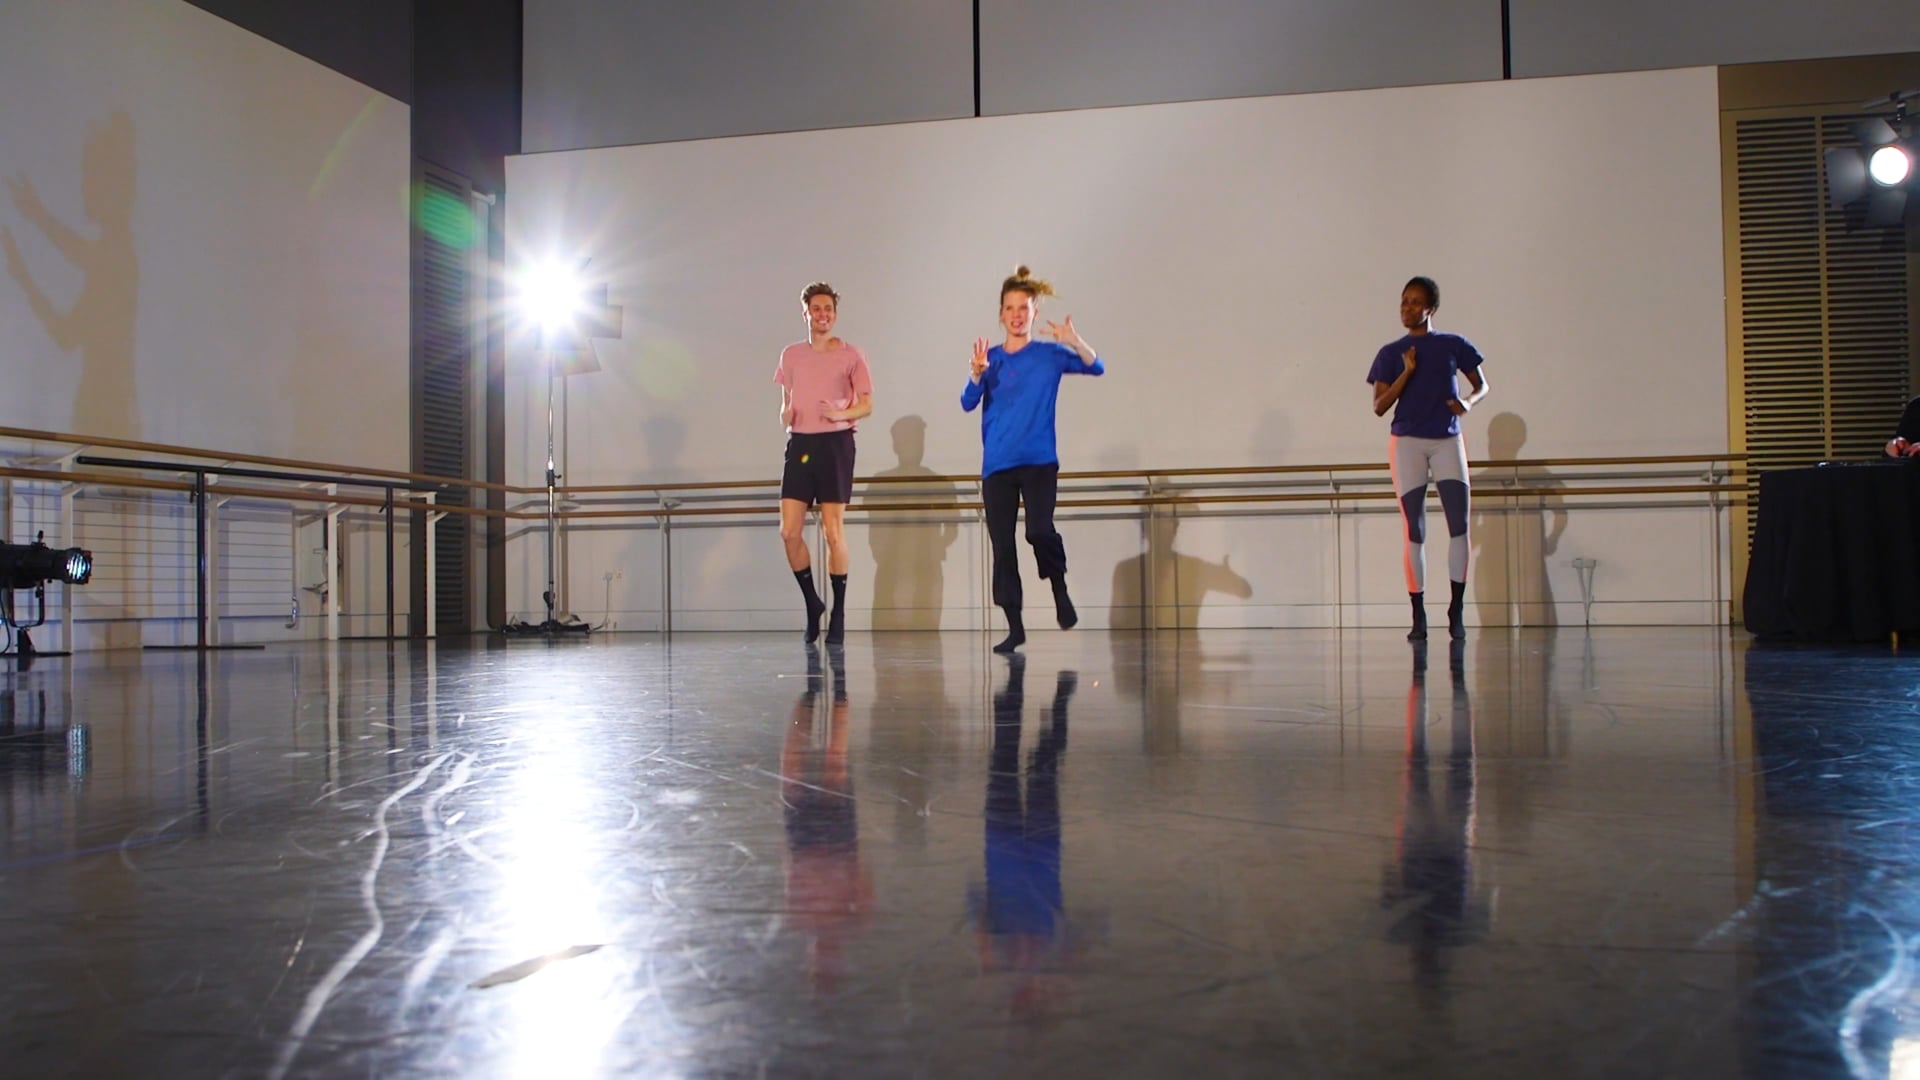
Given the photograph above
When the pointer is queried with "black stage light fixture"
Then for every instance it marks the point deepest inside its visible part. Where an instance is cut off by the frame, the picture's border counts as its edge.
(31, 566)
(1873, 183)
(28, 566)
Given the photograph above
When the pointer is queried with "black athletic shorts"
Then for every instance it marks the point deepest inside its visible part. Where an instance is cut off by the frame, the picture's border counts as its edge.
(819, 468)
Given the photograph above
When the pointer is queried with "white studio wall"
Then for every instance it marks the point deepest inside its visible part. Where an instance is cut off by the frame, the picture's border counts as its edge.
(1236, 262)
(206, 241)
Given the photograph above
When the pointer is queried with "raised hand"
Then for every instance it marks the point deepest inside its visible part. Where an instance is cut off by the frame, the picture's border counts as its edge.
(979, 358)
(1064, 332)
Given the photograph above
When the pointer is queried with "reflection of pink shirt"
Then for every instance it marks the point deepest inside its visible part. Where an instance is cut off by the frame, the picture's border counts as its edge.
(821, 381)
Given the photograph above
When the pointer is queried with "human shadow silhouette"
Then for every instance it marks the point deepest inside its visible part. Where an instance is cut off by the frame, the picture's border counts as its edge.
(1157, 587)
(829, 891)
(1428, 888)
(1514, 538)
(98, 325)
(910, 550)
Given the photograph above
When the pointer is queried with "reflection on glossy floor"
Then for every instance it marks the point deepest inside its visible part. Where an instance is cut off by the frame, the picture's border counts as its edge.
(1640, 852)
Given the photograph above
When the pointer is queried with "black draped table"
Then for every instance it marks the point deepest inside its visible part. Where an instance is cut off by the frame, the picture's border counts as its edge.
(1836, 553)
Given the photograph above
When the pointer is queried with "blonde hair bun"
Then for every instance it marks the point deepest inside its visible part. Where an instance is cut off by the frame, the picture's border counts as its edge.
(1024, 281)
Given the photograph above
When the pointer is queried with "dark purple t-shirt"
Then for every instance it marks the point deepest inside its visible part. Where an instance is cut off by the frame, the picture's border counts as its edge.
(1422, 409)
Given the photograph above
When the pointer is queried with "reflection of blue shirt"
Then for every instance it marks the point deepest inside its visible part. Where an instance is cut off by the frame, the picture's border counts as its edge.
(1020, 389)
(1422, 411)
(1023, 880)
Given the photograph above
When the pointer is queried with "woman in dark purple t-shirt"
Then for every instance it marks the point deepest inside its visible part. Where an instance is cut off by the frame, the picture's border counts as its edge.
(1418, 376)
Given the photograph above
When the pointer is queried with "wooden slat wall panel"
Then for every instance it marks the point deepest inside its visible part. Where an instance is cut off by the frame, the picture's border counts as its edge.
(1823, 315)
(445, 356)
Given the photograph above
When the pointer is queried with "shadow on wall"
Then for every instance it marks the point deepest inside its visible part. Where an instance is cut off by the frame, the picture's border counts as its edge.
(1160, 585)
(98, 324)
(910, 547)
(1513, 538)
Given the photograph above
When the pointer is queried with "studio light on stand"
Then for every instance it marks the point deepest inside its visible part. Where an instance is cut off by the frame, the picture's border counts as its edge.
(568, 316)
(32, 566)
(1873, 183)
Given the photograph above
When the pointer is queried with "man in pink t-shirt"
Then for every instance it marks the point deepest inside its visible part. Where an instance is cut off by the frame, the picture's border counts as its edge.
(824, 387)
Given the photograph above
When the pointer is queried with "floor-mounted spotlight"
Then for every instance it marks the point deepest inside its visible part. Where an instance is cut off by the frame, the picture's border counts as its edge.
(568, 315)
(32, 566)
(1873, 183)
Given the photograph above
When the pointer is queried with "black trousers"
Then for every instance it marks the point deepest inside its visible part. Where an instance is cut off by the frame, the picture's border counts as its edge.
(1038, 486)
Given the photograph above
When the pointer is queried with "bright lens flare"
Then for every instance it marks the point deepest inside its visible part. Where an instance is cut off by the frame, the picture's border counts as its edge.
(551, 295)
(1890, 165)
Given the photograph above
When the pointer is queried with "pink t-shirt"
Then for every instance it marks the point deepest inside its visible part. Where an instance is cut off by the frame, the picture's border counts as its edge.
(822, 381)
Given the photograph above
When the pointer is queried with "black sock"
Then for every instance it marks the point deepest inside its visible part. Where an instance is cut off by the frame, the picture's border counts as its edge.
(837, 622)
(1063, 604)
(814, 606)
(1456, 624)
(1419, 631)
(1016, 632)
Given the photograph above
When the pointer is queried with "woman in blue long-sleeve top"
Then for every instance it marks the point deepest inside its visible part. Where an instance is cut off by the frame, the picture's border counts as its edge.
(1016, 386)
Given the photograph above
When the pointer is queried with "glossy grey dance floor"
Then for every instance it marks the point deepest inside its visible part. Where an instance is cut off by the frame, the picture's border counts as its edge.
(1640, 852)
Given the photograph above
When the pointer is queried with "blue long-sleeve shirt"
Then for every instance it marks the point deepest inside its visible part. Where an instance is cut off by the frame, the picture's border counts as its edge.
(1020, 390)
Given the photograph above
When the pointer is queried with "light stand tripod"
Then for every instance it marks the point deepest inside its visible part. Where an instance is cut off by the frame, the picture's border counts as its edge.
(23, 642)
(552, 627)
(570, 342)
